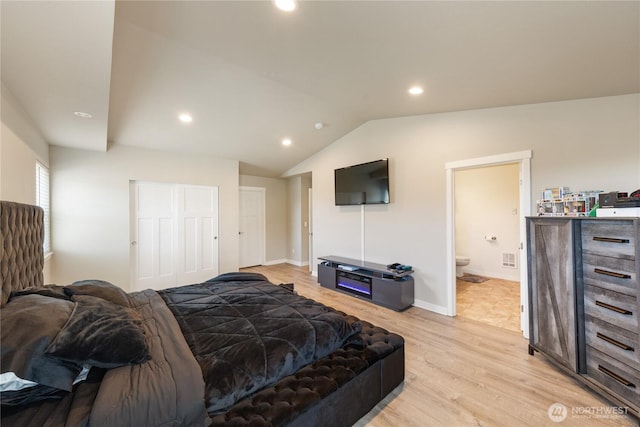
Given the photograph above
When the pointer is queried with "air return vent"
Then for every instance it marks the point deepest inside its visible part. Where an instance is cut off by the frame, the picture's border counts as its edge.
(509, 260)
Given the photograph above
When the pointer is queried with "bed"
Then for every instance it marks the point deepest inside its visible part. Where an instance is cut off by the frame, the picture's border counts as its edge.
(235, 350)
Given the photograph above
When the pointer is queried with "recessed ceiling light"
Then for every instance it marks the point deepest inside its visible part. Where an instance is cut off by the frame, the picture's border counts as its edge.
(83, 115)
(416, 90)
(286, 5)
(286, 142)
(185, 118)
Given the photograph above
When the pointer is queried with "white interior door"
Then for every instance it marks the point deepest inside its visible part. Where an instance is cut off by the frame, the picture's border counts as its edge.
(174, 234)
(153, 235)
(252, 226)
(197, 234)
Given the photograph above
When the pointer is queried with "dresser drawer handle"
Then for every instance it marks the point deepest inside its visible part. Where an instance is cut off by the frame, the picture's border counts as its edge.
(610, 239)
(613, 308)
(612, 273)
(616, 377)
(614, 342)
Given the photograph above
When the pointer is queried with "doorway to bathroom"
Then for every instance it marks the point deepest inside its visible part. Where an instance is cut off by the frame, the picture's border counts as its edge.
(516, 254)
(487, 240)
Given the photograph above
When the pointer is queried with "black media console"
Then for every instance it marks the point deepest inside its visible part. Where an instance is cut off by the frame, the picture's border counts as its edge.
(368, 280)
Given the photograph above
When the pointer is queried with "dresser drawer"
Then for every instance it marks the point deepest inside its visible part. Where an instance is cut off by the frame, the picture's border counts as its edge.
(610, 238)
(619, 343)
(616, 274)
(614, 375)
(612, 307)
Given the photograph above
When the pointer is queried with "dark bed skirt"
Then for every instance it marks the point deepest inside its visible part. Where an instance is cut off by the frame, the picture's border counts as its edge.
(356, 398)
(305, 400)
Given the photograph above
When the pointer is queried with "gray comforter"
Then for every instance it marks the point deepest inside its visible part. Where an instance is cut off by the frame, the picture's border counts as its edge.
(166, 391)
(247, 333)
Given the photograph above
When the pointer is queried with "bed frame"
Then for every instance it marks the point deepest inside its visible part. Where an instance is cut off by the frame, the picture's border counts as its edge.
(22, 258)
(358, 389)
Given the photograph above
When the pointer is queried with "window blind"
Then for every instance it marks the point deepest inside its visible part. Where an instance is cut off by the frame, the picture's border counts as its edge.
(42, 200)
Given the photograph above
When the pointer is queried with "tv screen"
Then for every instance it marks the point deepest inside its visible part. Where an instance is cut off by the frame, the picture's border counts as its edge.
(364, 184)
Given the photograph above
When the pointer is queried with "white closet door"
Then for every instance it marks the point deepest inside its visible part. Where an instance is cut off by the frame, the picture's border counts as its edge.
(174, 234)
(153, 236)
(252, 226)
(198, 234)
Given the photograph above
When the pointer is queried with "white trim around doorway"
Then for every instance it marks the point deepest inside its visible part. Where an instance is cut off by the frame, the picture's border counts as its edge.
(523, 158)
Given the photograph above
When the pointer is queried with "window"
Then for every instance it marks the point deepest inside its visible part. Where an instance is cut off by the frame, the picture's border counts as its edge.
(42, 200)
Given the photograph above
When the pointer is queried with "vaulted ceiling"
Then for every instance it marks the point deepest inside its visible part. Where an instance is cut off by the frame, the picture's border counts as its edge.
(251, 75)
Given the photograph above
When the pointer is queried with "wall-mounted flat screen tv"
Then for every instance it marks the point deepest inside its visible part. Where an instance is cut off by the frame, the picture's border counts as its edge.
(363, 184)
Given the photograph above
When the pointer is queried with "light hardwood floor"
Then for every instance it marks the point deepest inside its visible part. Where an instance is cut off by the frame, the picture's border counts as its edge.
(461, 372)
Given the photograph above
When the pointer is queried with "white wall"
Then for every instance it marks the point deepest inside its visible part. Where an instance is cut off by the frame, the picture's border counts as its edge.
(582, 144)
(22, 126)
(298, 219)
(294, 220)
(486, 205)
(90, 206)
(287, 211)
(17, 169)
(276, 215)
(305, 185)
(21, 145)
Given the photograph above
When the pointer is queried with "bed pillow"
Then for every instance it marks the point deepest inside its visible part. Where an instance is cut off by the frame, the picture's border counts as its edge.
(98, 288)
(100, 333)
(239, 277)
(29, 324)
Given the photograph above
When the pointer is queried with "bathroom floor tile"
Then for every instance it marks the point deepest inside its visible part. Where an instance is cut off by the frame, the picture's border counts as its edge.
(495, 301)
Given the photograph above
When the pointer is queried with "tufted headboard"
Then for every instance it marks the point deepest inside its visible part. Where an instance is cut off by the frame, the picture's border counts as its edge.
(22, 255)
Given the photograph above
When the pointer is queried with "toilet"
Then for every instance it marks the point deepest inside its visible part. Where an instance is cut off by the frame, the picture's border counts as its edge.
(460, 262)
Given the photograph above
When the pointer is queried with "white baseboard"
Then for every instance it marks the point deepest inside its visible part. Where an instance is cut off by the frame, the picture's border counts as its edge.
(287, 261)
(514, 277)
(297, 263)
(429, 306)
